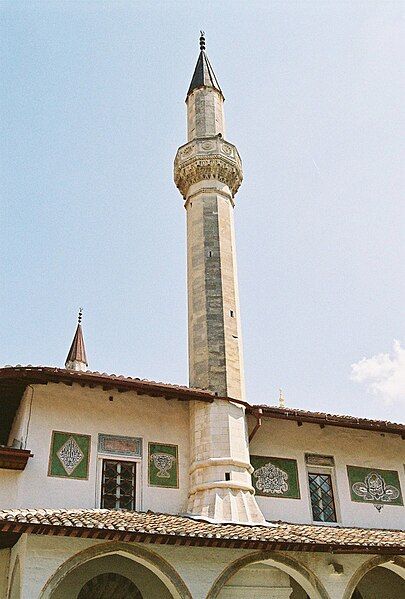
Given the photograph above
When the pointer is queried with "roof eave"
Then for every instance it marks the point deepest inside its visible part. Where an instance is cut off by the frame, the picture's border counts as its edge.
(17, 528)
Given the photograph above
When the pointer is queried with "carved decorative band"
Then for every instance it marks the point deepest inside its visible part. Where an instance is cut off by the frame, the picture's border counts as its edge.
(220, 462)
(213, 167)
(210, 190)
(221, 484)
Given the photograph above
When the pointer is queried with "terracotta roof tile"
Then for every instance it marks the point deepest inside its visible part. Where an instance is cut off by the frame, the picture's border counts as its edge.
(157, 527)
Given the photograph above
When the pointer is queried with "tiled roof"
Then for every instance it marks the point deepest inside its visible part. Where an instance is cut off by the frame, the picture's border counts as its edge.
(330, 419)
(183, 530)
(33, 374)
(108, 381)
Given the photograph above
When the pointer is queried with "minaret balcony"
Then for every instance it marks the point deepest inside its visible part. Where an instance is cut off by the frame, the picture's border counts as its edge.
(207, 158)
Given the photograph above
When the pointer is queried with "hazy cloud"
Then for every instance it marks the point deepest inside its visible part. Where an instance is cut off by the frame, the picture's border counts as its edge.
(383, 374)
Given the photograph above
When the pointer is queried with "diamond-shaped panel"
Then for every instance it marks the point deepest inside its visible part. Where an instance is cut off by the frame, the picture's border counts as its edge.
(70, 455)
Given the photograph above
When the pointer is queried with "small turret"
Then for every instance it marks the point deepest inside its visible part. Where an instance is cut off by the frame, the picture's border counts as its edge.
(205, 100)
(76, 358)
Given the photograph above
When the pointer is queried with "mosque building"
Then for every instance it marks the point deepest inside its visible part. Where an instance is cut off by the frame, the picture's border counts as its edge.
(125, 488)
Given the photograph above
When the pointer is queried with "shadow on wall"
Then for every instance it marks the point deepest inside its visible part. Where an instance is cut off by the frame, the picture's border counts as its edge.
(298, 592)
(380, 583)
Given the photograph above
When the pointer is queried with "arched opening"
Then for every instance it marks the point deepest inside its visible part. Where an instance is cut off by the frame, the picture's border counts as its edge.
(264, 574)
(380, 583)
(107, 585)
(258, 580)
(130, 571)
(111, 576)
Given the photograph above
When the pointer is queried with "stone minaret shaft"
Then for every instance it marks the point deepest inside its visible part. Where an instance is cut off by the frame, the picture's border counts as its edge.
(208, 172)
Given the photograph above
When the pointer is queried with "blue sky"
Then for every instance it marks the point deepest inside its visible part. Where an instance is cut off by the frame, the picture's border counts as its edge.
(92, 112)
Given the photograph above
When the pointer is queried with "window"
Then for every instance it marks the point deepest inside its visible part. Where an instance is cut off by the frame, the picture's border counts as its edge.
(118, 486)
(322, 501)
(231, 313)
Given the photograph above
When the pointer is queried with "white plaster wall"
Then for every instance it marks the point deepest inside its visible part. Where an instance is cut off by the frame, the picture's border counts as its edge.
(9, 483)
(258, 580)
(320, 565)
(43, 556)
(280, 438)
(4, 571)
(198, 567)
(89, 411)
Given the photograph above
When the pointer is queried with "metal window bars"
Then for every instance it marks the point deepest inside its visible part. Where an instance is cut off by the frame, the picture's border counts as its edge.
(322, 501)
(118, 485)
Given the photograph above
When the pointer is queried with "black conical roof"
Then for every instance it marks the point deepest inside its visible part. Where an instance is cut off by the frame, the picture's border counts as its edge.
(203, 75)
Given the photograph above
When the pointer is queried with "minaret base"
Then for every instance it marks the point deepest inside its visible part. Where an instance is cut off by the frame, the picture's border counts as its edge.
(225, 505)
(220, 473)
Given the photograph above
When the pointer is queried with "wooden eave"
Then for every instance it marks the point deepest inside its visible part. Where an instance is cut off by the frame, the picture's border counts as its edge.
(329, 420)
(17, 528)
(44, 375)
(13, 381)
(14, 459)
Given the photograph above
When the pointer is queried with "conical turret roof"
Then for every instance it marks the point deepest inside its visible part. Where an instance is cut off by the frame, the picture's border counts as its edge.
(204, 75)
(76, 358)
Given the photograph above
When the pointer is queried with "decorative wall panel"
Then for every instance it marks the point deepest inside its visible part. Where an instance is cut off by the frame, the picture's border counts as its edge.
(372, 485)
(118, 445)
(275, 477)
(69, 455)
(163, 466)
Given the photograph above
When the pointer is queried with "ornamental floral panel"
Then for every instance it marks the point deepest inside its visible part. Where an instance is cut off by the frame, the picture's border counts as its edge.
(371, 485)
(119, 445)
(163, 468)
(275, 477)
(69, 455)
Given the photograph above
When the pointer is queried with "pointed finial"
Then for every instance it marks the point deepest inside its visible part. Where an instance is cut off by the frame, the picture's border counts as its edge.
(76, 358)
(281, 400)
(202, 40)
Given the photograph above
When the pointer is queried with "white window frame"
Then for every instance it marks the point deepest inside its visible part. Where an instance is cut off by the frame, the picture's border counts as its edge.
(119, 458)
(330, 470)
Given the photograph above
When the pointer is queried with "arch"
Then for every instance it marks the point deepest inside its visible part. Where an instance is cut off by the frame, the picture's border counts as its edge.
(394, 563)
(159, 566)
(107, 585)
(15, 583)
(307, 579)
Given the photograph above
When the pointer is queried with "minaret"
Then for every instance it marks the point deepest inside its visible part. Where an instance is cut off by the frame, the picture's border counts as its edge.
(208, 173)
(76, 358)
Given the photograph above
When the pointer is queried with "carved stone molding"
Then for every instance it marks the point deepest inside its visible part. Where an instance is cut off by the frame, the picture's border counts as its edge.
(209, 190)
(207, 158)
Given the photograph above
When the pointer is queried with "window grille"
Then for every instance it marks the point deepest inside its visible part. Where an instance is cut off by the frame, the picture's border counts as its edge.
(322, 501)
(118, 485)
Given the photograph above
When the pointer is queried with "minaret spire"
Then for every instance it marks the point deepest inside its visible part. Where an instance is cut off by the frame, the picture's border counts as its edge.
(204, 75)
(208, 173)
(76, 358)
